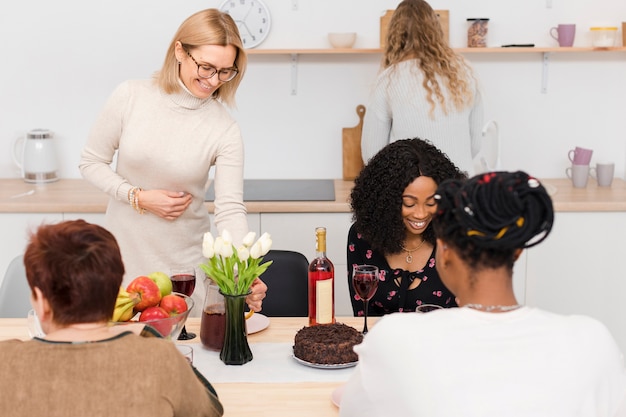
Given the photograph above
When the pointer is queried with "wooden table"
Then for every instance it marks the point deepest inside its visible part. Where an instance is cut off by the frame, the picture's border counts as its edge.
(254, 399)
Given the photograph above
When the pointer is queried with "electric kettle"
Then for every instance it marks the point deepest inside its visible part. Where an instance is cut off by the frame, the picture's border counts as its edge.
(36, 156)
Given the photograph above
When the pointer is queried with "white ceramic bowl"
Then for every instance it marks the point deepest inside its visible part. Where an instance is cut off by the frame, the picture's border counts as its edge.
(342, 40)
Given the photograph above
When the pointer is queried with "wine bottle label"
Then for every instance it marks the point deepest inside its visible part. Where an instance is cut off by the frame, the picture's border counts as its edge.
(324, 301)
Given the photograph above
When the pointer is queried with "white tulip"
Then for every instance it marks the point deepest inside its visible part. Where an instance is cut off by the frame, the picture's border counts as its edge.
(248, 240)
(227, 249)
(256, 251)
(207, 245)
(243, 253)
(227, 236)
(266, 243)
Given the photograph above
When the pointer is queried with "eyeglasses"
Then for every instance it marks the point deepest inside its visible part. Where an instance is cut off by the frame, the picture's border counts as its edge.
(207, 71)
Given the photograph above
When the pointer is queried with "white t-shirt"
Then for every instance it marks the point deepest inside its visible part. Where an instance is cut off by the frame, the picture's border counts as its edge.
(464, 362)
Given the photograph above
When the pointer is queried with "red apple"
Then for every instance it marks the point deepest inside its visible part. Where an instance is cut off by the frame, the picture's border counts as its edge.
(173, 304)
(154, 317)
(147, 290)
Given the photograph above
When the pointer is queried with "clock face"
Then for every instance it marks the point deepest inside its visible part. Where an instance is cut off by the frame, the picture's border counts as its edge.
(252, 18)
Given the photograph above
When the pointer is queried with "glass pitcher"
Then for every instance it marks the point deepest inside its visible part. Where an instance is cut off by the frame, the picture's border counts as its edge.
(213, 321)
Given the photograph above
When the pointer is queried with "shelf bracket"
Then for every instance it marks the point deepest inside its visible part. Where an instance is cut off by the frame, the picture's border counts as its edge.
(294, 74)
(544, 74)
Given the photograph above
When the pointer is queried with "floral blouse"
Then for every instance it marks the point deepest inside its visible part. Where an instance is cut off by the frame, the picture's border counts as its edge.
(392, 296)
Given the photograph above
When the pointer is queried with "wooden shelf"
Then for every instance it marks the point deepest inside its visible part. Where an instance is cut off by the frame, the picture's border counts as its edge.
(494, 50)
(545, 51)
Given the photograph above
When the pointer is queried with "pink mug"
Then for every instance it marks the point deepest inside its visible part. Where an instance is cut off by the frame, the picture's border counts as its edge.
(580, 156)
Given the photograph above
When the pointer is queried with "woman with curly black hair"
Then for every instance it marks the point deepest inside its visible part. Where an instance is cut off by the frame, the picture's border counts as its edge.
(393, 203)
(490, 357)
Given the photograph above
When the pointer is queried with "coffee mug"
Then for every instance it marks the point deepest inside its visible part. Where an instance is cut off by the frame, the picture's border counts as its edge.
(579, 174)
(564, 34)
(580, 156)
(603, 173)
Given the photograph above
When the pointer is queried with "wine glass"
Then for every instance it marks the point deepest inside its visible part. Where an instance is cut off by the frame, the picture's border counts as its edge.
(184, 282)
(365, 283)
(425, 308)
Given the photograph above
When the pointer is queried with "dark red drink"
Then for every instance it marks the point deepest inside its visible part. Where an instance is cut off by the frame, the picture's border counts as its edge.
(365, 285)
(183, 283)
(212, 328)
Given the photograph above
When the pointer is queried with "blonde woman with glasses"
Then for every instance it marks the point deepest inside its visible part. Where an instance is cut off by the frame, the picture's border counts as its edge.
(167, 133)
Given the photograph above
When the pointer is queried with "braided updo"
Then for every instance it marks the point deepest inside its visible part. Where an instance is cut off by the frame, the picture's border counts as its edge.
(490, 216)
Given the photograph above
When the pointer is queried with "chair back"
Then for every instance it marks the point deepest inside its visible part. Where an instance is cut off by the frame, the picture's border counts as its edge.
(287, 284)
(14, 291)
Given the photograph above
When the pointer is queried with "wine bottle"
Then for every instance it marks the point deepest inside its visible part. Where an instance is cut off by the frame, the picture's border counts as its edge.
(321, 283)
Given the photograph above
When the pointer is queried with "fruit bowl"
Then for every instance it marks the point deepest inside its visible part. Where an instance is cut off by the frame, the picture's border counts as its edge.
(169, 327)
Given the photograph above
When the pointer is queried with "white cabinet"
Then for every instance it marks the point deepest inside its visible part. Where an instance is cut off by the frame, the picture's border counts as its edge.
(578, 269)
(296, 231)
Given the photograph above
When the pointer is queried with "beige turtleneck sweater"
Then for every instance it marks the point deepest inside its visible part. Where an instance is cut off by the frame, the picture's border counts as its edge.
(165, 142)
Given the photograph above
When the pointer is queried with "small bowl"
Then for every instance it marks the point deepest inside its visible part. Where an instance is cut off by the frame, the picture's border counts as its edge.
(169, 327)
(342, 40)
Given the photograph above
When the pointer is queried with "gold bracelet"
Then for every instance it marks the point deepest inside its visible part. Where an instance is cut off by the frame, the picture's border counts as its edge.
(133, 199)
(136, 201)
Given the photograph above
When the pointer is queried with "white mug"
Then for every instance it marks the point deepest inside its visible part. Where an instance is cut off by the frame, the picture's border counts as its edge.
(579, 174)
(603, 174)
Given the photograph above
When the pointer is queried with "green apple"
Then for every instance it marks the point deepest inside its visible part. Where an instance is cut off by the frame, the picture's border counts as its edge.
(163, 281)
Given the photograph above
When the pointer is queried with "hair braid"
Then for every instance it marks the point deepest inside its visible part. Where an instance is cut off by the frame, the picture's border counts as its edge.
(496, 212)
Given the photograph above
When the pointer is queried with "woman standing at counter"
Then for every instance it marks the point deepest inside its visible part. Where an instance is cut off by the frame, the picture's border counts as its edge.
(425, 90)
(168, 132)
(393, 204)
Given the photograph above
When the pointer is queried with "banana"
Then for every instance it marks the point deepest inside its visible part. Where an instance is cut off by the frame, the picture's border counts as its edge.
(124, 305)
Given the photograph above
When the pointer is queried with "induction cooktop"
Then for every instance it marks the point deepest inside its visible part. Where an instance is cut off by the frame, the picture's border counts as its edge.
(284, 190)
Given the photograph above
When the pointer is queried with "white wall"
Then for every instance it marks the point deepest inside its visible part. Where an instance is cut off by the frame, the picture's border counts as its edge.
(62, 59)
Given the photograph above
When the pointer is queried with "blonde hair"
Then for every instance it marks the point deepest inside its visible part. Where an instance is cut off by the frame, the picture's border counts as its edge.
(415, 33)
(206, 27)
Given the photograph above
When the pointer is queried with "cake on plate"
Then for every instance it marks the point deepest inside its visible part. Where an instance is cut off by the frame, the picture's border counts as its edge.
(328, 344)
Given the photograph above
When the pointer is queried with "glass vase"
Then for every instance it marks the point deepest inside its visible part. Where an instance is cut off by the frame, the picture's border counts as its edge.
(235, 350)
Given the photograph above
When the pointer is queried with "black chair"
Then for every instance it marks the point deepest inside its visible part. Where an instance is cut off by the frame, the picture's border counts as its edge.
(287, 284)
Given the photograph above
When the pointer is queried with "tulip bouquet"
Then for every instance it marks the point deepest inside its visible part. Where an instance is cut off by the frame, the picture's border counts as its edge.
(234, 269)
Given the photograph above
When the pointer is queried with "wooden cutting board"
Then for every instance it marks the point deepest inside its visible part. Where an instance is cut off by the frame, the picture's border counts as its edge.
(352, 158)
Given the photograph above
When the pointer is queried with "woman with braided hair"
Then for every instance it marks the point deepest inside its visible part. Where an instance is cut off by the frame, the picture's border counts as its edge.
(492, 356)
(393, 204)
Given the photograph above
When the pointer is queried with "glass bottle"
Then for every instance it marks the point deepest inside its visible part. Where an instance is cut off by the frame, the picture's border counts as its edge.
(321, 283)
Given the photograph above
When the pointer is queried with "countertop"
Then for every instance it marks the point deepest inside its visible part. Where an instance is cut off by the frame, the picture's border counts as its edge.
(79, 196)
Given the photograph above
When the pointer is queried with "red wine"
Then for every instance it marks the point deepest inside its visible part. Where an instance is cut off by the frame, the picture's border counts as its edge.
(183, 283)
(365, 285)
(321, 284)
(212, 328)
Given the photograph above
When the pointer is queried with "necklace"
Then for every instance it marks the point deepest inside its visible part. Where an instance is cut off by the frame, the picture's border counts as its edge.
(493, 308)
(409, 257)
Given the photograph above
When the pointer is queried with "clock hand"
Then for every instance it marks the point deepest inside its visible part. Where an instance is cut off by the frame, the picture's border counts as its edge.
(243, 24)
(247, 13)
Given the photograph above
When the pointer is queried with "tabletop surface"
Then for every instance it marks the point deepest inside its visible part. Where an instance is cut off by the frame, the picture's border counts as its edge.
(290, 399)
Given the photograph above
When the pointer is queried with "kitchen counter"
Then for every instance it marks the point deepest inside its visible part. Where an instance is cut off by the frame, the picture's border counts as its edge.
(77, 195)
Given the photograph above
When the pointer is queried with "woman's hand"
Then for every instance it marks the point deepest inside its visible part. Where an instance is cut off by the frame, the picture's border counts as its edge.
(254, 300)
(166, 204)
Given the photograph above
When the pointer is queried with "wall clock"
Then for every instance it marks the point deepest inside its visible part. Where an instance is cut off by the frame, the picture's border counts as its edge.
(252, 18)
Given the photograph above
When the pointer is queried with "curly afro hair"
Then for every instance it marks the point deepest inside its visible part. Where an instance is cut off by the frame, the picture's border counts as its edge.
(376, 199)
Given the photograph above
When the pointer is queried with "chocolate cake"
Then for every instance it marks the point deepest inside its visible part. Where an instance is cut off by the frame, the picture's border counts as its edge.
(328, 344)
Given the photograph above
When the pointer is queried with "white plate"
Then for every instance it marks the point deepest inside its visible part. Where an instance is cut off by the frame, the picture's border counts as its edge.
(257, 322)
(335, 397)
(325, 365)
